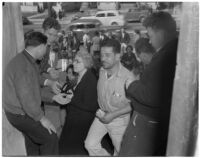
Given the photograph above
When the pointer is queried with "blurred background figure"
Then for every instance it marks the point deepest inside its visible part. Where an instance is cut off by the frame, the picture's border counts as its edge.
(128, 59)
(74, 44)
(102, 37)
(124, 40)
(86, 41)
(95, 43)
(137, 35)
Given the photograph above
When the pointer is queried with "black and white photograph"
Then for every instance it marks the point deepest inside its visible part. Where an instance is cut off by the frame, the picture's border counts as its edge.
(100, 78)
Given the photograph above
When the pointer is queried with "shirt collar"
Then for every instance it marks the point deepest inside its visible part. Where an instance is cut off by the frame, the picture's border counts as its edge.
(29, 56)
(118, 73)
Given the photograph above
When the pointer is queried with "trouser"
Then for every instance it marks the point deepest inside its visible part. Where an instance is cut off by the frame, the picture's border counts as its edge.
(38, 140)
(53, 114)
(115, 129)
(123, 48)
(140, 138)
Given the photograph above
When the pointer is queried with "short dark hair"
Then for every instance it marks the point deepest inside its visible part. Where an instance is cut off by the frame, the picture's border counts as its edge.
(129, 46)
(96, 33)
(143, 45)
(35, 39)
(114, 44)
(51, 23)
(161, 20)
(71, 67)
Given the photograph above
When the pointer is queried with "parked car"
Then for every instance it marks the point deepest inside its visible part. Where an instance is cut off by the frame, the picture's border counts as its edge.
(108, 18)
(25, 21)
(136, 14)
(81, 26)
(86, 13)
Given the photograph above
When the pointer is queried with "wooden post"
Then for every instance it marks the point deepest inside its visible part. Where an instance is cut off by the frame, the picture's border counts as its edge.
(13, 43)
(184, 112)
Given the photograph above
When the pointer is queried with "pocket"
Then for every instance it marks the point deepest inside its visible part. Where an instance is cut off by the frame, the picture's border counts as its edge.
(117, 99)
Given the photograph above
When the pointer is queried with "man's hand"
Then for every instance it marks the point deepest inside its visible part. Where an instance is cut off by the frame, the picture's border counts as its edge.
(55, 86)
(61, 98)
(70, 94)
(48, 125)
(106, 118)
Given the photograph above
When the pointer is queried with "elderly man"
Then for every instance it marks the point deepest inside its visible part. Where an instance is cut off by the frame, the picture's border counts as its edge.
(22, 98)
(146, 134)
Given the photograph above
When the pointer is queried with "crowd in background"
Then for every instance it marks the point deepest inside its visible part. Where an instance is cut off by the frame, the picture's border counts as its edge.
(68, 44)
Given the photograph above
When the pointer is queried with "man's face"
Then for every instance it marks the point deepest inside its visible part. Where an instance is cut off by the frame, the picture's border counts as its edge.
(129, 50)
(145, 57)
(108, 58)
(156, 37)
(52, 35)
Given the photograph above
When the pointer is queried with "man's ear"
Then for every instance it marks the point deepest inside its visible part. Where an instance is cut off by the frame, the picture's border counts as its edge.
(118, 56)
(161, 35)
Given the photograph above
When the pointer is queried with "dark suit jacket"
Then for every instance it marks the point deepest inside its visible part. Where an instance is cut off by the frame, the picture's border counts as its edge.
(85, 94)
(103, 40)
(152, 93)
(125, 39)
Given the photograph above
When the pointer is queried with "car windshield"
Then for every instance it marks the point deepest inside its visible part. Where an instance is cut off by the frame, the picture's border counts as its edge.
(82, 26)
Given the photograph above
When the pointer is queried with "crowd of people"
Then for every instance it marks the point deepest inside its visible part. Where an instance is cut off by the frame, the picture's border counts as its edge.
(105, 86)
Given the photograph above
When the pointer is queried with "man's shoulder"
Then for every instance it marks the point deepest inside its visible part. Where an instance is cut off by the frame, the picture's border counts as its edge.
(125, 72)
(170, 46)
(17, 61)
(16, 64)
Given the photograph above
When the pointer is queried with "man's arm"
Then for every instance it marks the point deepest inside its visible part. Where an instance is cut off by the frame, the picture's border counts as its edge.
(139, 92)
(108, 117)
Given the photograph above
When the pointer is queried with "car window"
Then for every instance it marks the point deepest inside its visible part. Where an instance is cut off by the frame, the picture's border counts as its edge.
(72, 27)
(111, 14)
(78, 26)
(100, 15)
(90, 26)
